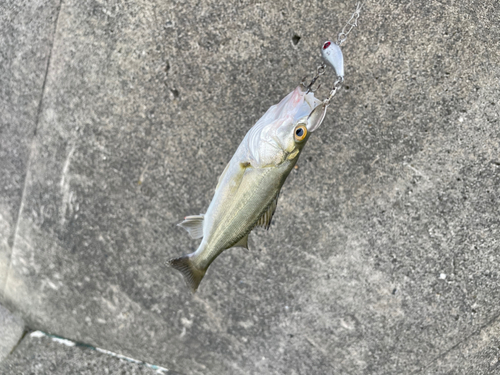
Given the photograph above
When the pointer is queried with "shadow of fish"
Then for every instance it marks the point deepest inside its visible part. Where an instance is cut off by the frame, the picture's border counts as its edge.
(247, 192)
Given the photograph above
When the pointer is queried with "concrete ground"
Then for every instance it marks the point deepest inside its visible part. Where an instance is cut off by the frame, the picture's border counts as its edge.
(37, 353)
(116, 120)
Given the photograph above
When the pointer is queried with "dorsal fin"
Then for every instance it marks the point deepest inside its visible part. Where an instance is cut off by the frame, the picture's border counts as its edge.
(267, 216)
(243, 242)
(194, 225)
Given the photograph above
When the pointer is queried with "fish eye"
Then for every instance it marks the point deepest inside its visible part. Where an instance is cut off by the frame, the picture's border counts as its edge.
(300, 133)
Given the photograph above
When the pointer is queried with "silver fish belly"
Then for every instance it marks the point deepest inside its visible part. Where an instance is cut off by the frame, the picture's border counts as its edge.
(247, 192)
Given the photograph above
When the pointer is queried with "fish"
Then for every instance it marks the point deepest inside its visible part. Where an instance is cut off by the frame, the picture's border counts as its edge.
(246, 195)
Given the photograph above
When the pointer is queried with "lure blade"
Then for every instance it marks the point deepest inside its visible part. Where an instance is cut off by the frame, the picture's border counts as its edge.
(332, 54)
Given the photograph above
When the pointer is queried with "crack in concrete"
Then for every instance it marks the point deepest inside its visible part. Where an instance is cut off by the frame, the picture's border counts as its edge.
(37, 121)
(467, 338)
(25, 332)
(70, 343)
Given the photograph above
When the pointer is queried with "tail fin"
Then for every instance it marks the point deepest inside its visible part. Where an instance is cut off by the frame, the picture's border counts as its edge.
(192, 274)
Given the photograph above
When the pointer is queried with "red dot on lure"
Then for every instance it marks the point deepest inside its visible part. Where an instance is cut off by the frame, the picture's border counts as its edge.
(333, 56)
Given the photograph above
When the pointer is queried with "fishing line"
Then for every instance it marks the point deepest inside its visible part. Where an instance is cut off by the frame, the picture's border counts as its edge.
(332, 55)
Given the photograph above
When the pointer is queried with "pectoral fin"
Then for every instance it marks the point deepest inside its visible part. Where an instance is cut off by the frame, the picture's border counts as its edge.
(236, 175)
(194, 225)
(221, 177)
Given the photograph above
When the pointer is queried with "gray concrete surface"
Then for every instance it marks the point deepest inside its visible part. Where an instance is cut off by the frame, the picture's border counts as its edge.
(478, 353)
(384, 254)
(11, 332)
(26, 35)
(42, 355)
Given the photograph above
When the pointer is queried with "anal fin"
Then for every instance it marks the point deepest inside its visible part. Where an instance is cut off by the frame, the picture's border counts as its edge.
(194, 225)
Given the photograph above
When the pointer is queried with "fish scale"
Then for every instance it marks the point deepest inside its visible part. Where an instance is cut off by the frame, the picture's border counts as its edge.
(238, 222)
